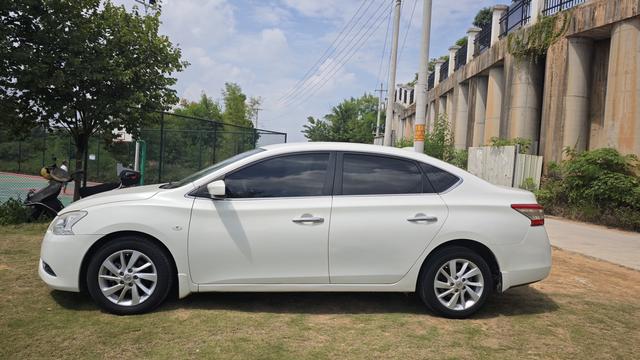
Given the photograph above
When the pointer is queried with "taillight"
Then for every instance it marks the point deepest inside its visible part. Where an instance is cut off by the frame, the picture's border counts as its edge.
(534, 212)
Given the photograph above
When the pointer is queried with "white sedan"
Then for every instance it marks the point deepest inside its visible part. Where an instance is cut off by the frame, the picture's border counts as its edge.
(302, 217)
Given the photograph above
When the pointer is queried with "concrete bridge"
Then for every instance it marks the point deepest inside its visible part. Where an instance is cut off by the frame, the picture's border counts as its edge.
(584, 93)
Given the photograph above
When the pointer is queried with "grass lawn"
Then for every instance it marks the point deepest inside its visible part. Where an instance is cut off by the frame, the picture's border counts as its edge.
(585, 309)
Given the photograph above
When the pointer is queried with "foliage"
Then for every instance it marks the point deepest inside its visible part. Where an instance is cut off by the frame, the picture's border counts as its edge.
(598, 186)
(86, 66)
(433, 61)
(483, 17)
(12, 212)
(524, 144)
(534, 41)
(404, 142)
(460, 158)
(205, 108)
(529, 184)
(462, 42)
(353, 120)
(439, 142)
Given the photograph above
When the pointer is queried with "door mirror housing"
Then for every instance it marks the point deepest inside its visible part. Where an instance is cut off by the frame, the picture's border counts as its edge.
(217, 189)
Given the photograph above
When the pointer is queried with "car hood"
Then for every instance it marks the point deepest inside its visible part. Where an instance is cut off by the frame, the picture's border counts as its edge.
(117, 195)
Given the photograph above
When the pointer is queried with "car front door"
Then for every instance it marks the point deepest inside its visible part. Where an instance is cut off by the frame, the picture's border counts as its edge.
(271, 228)
(384, 215)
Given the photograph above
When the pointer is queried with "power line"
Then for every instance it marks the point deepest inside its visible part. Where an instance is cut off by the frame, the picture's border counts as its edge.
(310, 82)
(354, 50)
(331, 49)
(384, 48)
(350, 51)
(406, 31)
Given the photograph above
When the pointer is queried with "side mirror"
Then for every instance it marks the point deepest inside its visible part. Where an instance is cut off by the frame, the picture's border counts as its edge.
(216, 189)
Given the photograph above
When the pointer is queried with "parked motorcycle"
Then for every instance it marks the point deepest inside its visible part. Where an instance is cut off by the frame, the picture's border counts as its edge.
(45, 202)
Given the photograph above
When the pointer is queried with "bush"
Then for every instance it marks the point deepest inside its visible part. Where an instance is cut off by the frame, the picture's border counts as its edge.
(12, 212)
(600, 186)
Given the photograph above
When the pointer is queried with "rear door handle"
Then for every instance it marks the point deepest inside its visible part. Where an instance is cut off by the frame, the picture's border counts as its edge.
(308, 218)
(422, 217)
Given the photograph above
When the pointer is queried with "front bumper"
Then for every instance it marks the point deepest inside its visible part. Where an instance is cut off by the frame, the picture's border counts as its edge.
(63, 254)
(526, 262)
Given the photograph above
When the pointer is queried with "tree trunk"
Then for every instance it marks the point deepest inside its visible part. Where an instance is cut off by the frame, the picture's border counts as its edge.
(81, 143)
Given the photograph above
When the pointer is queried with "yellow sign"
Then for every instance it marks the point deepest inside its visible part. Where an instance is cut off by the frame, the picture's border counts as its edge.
(419, 134)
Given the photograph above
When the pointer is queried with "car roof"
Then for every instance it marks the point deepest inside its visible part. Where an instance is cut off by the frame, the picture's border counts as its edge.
(337, 146)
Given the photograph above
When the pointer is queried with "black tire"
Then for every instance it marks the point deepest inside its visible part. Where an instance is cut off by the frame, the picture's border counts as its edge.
(428, 277)
(163, 269)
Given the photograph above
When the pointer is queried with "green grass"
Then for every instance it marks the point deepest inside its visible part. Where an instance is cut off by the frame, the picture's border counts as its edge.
(586, 309)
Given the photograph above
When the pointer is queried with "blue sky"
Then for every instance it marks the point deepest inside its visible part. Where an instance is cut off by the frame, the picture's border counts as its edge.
(266, 46)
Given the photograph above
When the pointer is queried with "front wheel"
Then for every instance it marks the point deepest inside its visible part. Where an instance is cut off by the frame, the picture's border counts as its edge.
(129, 276)
(456, 283)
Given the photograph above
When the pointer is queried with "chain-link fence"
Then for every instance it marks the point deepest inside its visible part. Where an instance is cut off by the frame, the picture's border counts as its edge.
(173, 147)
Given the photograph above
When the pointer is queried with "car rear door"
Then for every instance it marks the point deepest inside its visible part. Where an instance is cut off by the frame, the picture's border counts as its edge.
(384, 214)
(272, 227)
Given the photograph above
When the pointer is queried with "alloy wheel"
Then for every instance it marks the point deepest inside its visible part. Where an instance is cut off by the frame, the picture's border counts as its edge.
(127, 277)
(458, 284)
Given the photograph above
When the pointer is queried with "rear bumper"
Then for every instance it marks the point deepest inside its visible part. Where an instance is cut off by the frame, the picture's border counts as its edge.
(526, 262)
(63, 254)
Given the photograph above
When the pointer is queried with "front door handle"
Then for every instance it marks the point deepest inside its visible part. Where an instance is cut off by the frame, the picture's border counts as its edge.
(308, 218)
(422, 217)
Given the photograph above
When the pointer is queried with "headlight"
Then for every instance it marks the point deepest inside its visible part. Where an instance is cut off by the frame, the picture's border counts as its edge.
(63, 224)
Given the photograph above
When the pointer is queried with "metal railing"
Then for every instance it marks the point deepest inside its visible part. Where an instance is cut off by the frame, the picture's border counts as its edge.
(461, 57)
(517, 16)
(552, 7)
(483, 39)
(444, 71)
(431, 80)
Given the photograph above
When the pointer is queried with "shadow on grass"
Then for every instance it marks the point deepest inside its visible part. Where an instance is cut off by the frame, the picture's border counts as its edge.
(518, 301)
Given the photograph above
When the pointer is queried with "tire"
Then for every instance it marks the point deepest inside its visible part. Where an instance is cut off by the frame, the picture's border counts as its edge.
(465, 292)
(129, 289)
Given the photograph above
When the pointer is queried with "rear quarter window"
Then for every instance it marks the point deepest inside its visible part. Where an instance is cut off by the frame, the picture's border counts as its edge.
(440, 180)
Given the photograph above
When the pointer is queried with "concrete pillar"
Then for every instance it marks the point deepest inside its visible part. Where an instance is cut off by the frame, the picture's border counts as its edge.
(479, 110)
(536, 11)
(622, 103)
(452, 59)
(438, 66)
(498, 11)
(450, 111)
(495, 94)
(462, 116)
(471, 41)
(442, 105)
(525, 102)
(431, 110)
(576, 98)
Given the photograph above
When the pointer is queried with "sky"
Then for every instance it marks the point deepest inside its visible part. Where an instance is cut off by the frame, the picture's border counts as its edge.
(268, 46)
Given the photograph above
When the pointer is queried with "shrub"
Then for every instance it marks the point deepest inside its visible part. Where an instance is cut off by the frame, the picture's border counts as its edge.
(600, 186)
(12, 212)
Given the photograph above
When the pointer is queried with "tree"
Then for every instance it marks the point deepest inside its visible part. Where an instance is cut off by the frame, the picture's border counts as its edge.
(206, 108)
(353, 120)
(483, 17)
(85, 66)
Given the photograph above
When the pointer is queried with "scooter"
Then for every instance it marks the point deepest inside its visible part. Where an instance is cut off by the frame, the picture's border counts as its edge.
(45, 202)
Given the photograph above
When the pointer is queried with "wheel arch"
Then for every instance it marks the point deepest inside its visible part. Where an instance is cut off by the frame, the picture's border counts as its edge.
(473, 245)
(118, 234)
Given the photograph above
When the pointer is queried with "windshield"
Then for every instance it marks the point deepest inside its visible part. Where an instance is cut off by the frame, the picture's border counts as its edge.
(206, 171)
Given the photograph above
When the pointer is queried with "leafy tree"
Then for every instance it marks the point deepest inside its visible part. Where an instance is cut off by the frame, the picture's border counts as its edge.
(462, 41)
(483, 17)
(353, 120)
(86, 66)
(206, 108)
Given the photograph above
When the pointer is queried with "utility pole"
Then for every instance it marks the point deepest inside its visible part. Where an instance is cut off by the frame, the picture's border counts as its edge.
(257, 110)
(421, 96)
(392, 75)
(381, 90)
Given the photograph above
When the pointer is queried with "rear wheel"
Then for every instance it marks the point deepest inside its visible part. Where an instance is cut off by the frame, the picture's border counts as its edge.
(456, 282)
(129, 276)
